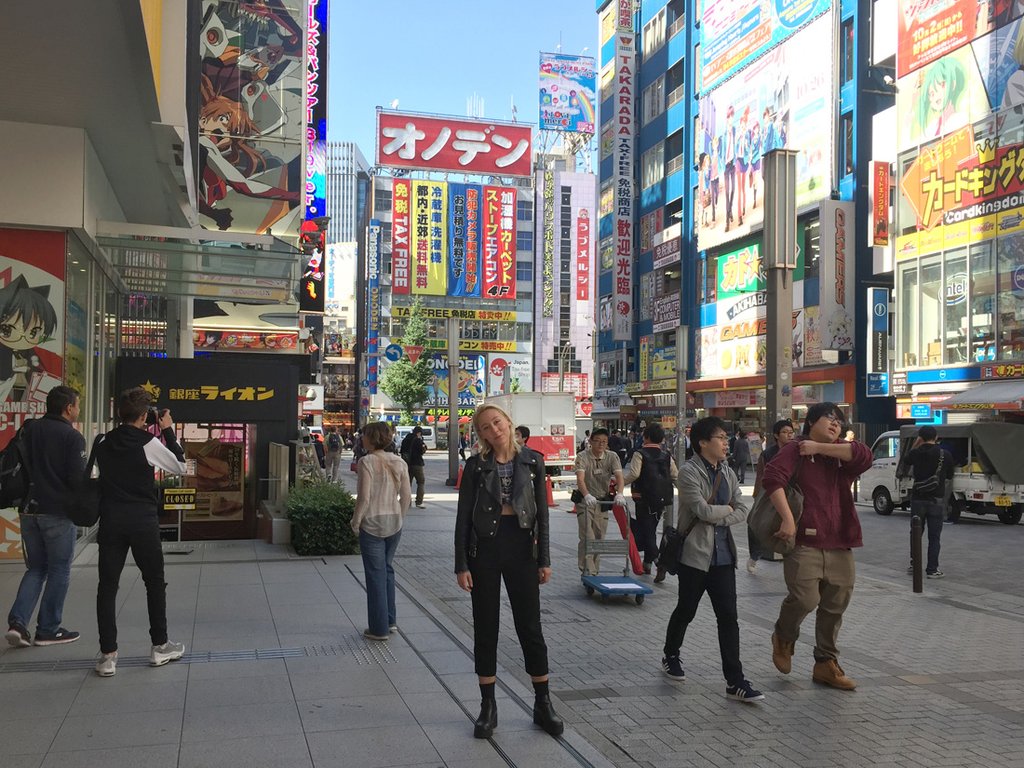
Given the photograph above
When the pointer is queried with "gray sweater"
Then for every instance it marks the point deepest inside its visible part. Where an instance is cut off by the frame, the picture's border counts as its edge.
(694, 489)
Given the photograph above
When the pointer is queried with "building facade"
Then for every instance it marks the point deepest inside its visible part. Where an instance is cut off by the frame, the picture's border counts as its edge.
(348, 185)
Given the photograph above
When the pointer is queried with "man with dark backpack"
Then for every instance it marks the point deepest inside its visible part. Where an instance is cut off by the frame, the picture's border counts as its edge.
(652, 473)
(332, 457)
(931, 466)
(54, 453)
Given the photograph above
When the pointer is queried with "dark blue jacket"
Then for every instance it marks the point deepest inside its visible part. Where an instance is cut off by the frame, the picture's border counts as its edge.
(57, 463)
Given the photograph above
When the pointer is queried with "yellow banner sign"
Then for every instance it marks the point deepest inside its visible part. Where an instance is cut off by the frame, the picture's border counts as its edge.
(432, 313)
(473, 345)
(429, 240)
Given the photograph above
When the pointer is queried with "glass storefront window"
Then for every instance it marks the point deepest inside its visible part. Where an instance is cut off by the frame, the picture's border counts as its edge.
(982, 303)
(932, 294)
(909, 311)
(956, 307)
(1010, 295)
(76, 339)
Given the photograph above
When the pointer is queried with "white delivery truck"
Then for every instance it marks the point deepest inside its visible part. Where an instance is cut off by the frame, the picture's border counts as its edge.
(989, 474)
(551, 419)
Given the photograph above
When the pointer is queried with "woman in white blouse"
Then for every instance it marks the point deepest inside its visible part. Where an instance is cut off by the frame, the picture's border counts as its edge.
(382, 501)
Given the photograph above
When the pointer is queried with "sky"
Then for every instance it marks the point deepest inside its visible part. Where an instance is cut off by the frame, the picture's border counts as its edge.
(432, 55)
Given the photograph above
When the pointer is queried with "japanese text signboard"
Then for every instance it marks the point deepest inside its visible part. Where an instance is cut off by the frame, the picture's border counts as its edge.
(735, 32)
(498, 239)
(429, 237)
(547, 204)
(624, 97)
(406, 140)
(473, 195)
(221, 393)
(583, 255)
(460, 281)
(836, 269)
(400, 251)
(373, 290)
(880, 182)
(568, 90)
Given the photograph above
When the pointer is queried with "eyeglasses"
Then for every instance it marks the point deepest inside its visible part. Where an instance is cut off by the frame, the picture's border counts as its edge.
(34, 335)
(833, 419)
(721, 436)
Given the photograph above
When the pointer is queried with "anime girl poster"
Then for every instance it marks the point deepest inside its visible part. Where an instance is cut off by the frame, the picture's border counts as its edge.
(31, 340)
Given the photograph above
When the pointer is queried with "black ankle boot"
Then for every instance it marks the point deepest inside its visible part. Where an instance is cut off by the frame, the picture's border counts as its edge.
(544, 716)
(488, 719)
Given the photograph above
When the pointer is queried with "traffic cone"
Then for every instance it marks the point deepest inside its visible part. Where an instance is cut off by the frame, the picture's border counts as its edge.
(458, 480)
(551, 493)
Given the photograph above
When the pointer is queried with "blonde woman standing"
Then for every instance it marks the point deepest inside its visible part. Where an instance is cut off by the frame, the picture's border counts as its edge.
(382, 500)
(502, 516)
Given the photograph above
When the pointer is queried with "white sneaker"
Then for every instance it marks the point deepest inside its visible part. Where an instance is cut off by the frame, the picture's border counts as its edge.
(161, 654)
(106, 666)
(751, 566)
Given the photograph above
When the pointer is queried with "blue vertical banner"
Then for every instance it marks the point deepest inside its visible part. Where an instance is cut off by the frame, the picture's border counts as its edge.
(373, 304)
(457, 239)
(316, 109)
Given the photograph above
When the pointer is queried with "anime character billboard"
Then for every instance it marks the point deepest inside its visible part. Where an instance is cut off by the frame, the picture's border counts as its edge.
(251, 127)
(31, 324)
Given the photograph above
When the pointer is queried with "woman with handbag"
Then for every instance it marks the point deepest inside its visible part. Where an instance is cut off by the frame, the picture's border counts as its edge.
(383, 497)
(501, 532)
(709, 502)
(819, 571)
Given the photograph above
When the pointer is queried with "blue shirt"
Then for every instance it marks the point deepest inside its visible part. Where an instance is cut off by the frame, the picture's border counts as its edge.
(722, 554)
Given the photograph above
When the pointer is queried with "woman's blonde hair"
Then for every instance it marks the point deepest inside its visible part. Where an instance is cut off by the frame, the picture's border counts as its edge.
(485, 447)
(378, 434)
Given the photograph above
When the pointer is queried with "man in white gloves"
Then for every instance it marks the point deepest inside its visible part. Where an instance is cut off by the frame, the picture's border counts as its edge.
(596, 468)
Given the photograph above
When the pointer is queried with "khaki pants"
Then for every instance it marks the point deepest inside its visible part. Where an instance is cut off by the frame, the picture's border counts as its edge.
(592, 525)
(819, 579)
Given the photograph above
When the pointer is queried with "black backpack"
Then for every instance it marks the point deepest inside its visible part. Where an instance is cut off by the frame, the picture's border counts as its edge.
(15, 482)
(333, 442)
(655, 481)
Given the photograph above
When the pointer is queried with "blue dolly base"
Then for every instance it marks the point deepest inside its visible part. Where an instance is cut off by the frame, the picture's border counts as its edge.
(617, 586)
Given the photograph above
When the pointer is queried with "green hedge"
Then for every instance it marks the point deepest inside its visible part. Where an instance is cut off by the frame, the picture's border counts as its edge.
(321, 516)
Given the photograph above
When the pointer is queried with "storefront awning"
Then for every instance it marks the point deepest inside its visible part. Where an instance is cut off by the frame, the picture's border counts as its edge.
(990, 396)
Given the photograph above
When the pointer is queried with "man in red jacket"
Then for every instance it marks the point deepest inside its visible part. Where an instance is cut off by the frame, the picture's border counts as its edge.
(820, 571)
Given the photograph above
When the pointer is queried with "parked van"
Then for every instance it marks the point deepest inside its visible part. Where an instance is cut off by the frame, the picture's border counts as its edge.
(989, 474)
(429, 436)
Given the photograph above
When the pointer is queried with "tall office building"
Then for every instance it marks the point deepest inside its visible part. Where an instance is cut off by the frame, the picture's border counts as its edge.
(348, 179)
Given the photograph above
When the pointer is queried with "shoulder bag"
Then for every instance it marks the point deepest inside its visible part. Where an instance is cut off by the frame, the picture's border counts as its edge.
(764, 520)
(84, 510)
(671, 550)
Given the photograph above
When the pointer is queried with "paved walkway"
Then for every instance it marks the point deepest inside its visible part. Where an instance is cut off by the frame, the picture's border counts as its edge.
(278, 674)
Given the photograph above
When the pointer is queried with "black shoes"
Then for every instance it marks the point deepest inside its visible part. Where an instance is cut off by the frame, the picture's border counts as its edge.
(544, 716)
(488, 719)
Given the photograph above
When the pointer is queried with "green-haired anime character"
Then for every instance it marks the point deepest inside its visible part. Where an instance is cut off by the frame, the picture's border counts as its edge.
(942, 87)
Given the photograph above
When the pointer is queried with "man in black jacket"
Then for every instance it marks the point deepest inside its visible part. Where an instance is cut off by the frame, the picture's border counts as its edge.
(56, 453)
(129, 520)
(412, 451)
(931, 467)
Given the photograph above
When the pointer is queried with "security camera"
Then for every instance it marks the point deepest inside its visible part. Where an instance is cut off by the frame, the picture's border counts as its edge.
(310, 393)
(888, 80)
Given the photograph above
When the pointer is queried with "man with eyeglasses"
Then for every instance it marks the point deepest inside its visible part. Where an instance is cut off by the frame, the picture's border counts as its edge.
(820, 570)
(784, 433)
(709, 502)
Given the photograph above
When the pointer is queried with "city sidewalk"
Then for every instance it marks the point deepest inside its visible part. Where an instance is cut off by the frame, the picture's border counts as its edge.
(276, 673)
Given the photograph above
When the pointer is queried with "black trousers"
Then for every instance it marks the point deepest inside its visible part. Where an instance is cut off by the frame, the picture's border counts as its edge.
(139, 532)
(508, 556)
(720, 584)
(645, 529)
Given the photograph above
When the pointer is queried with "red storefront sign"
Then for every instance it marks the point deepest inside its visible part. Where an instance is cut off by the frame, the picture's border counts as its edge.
(400, 237)
(880, 208)
(583, 255)
(406, 140)
(499, 242)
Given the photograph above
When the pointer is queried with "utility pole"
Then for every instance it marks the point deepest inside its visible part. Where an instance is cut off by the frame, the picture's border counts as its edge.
(682, 356)
(779, 259)
(453, 401)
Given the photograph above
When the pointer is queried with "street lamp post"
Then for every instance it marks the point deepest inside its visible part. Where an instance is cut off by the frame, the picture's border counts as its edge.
(682, 357)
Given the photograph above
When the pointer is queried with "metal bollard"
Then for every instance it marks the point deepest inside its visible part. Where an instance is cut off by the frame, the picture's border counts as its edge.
(916, 534)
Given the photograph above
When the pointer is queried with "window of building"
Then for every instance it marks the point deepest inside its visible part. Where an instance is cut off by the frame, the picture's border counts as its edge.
(711, 280)
(524, 332)
(955, 291)
(524, 210)
(1010, 325)
(812, 249)
(932, 294)
(654, 33)
(652, 165)
(847, 41)
(846, 144)
(653, 100)
(674, 84)
(674, 153)
(699, 283)
(524, 271)
(676, 17)
(607, 202)
(524, 240)
(982, 286)
(908, 301)
(607, 79)
(381, 200)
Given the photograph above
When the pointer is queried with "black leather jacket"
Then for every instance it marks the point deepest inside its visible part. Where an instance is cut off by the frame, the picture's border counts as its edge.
(480, 505)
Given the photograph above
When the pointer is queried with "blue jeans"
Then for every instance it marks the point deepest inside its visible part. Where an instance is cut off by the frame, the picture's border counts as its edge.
(380, 580)
(49, 543)
(932, 513)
